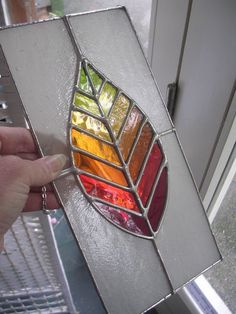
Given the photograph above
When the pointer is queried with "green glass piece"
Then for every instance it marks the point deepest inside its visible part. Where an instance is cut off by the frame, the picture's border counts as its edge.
(86, 103)
(95, 78)
(118, 113)
(107, 97)
(83, 82)
(90, 124)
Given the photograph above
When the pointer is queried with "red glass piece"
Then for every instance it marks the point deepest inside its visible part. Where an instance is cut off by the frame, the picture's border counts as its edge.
(125, 220)
(151, 169)
(109, 193)
(158, 202)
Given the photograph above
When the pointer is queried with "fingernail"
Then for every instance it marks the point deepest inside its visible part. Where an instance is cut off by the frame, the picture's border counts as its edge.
(56, 162)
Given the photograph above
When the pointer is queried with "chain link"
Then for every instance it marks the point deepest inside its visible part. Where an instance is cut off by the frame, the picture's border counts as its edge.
(44, 201)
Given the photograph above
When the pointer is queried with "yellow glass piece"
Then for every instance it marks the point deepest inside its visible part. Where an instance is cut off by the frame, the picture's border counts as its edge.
(118, 113)
(95, 78)
(94, 146)
(107, 97)
(130, 131)
(140, 151)
(99, 168)
(86, 103)
(90, 124)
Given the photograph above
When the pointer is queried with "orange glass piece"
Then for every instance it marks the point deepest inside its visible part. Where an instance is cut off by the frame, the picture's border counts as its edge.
(132, 223)
(150, 173)
(158, 202)
(90, 124)
(94, 146)
(118, 113)
(107, 97)
(99, 168)
(86, 103)
(130, 131)
(109, 193)
(140, 151)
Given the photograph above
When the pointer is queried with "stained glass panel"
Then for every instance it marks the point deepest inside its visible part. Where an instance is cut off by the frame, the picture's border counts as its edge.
(130, 149)
(164, 261)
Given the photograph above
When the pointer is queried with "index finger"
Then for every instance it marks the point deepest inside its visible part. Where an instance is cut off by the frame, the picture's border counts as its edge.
(15, 140)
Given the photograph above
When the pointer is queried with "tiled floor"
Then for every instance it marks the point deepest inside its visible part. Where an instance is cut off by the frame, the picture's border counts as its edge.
(223, 275)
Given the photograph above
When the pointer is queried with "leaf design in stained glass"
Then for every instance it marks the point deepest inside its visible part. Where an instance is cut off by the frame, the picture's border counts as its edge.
(117, 154)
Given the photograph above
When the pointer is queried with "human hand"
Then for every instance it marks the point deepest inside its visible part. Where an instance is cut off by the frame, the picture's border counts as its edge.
(22, 175)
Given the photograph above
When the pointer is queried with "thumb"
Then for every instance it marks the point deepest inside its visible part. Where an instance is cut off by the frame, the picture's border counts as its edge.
(43, 170)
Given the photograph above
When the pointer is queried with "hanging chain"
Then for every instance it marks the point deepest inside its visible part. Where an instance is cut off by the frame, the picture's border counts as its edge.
(44, 201)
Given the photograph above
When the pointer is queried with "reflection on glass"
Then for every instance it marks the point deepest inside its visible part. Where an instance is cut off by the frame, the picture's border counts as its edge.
(106, 129)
